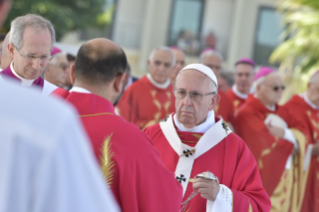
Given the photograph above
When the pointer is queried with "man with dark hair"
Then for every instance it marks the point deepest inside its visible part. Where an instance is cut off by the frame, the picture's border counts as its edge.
(130, 163)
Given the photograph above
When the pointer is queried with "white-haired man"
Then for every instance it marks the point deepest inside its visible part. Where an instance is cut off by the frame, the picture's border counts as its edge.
(58, 68)
(273, 135)
(192, 141)
(150, 99)
(213, 59)
(306, 106)
(30, 44)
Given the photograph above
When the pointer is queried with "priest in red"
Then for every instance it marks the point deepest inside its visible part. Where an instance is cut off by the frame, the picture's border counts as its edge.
(132, 166)
(306, 106)
(244, 78)
(30, 44)
(193, 141)
(150, 99)
(277, 140)
(213, 59)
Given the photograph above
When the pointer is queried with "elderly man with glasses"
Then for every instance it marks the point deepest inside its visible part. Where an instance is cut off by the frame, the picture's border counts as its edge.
(30, 44)
(214, 166)
(277, 139)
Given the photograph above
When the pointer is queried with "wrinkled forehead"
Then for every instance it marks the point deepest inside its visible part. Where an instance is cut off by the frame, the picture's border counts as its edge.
(273, 79)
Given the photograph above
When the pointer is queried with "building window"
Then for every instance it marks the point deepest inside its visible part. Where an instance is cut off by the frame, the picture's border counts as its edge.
(268, 34)
(186, 24)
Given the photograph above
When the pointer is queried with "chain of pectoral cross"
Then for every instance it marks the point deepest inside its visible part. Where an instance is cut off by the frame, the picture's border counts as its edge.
(191, 196)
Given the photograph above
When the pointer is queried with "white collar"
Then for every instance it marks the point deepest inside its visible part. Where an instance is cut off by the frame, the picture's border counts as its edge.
(79, 90)
(237, 93)
(202, 128)
(158, 85)
(272, 108)
(24, 82)
(305, 97)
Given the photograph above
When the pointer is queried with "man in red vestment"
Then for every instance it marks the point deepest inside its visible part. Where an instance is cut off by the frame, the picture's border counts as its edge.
(30, 44)
(180, 63)
(244, 78)
(213, 59)
(150, 99)
(130, 163)
(192, 141)
(306, 106)
(277, 140)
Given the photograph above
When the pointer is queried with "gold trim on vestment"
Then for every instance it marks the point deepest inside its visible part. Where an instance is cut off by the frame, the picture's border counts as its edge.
(97, 114)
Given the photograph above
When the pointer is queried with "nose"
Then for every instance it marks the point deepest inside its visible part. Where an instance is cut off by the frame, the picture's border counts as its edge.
(36, 63)
(187, 100)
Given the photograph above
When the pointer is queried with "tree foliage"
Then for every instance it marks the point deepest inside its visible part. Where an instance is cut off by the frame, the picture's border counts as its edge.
(301, 18)
(66, 15)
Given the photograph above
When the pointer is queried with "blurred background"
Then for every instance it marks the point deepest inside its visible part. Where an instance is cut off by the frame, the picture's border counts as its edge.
(283, 34)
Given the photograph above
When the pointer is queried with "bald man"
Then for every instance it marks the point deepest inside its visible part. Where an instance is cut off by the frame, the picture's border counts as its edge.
(213, 59)
(306, 106)
(180, 63)
(131, 164)
(6, 58)
(151, 98)
(277, 139)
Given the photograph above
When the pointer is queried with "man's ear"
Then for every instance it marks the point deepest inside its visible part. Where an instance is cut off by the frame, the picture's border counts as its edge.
(72, 74)
(214, 101)
(118, 83)
(11, 49)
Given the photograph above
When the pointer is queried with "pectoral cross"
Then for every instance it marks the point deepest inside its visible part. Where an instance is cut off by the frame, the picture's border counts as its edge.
(188, 152)
(225, 127)
(181, 178)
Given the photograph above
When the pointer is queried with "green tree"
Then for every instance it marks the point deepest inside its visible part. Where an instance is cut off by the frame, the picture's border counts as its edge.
(66, 15)
(299, 52)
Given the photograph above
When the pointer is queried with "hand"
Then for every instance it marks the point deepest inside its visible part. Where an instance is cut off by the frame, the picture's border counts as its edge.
(276, 131)
(207, 188)
(315, 149)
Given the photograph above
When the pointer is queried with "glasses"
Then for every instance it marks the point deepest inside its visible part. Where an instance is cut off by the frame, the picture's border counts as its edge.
(194, 96)
(276, 88)
(30, 57)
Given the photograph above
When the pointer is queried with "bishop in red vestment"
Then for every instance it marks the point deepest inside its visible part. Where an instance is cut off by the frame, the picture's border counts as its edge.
(151, 98)
(193, 141)
(213, 59)
(306, 106)
(131, 164)
(275, 138)
(244, 78)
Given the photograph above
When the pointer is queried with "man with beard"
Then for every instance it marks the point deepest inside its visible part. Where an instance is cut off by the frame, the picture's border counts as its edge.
(130, 163)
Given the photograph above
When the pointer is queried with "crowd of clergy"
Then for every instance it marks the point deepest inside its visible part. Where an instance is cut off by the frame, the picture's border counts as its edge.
(80, 134)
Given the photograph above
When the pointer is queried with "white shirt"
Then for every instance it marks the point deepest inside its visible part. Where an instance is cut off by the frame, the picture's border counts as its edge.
(48, 87)
(240, 95)
(46, 160)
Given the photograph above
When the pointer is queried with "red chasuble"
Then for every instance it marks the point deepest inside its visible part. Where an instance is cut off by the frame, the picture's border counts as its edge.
(146, 103)
(135, 173)
(270, 152)
(219, 151)
(236, 101)
(299, 108)
(224, 108)
(60, 92)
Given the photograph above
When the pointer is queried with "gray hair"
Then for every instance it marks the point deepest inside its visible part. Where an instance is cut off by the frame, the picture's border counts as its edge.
(56, 56)
(210, 52)
(164, 49)
(36, 22)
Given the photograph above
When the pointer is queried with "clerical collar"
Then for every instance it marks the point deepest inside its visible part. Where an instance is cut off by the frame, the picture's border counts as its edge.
(271, 108)
(237, 93)
(202, 128)
(161, 86)
(304, 96)
(79, 90)
(24, 82)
